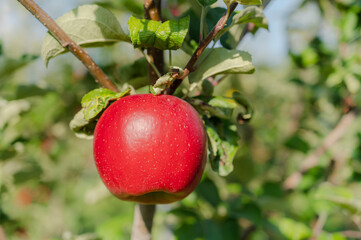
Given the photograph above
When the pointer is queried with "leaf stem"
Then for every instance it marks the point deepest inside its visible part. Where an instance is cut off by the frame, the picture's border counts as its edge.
(201, 27)
(150, 63)
(68, 43)
(201, 47)
(170, 58)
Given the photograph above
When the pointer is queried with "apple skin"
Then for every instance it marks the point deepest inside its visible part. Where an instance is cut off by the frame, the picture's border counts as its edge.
(150, 149)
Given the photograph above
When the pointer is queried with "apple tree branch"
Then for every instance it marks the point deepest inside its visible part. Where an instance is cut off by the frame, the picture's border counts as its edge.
(68, 43)
(201, 47)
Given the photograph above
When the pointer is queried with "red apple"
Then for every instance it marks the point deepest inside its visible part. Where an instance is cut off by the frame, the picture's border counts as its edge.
(150, 149)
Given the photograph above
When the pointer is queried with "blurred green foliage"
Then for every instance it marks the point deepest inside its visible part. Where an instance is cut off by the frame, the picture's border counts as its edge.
(49, 187)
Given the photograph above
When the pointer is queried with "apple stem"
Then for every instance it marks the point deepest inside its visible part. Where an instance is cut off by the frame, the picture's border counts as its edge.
(68, 43)
(143, 221)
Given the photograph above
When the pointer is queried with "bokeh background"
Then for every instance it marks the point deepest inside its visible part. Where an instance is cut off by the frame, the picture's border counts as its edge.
(297, 173)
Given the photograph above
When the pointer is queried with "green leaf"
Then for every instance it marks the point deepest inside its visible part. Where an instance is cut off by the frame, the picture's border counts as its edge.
(207, 88)
(209, 192)
(81, 127)
(212, 17)
(251, 14)
(243, 2)
(30, 172)
(206, 3)
(223, 145)
(247, 114)
(341, 196)
(331, 236)
(223, 61)
(250, 211)
(352, 83)
(193, 230)
(296, 142)
(293, 229)
(230, 35)
(348, 25)
(134, 7)
(236, 109)
(10, 65)
(93, 104)
(206, 109)
(97, 100)
(88, 26)
(149, 33)
(226, 105)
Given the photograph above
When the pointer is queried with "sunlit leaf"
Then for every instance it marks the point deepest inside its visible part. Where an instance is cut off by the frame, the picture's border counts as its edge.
(243, 2)
(93, 104)
(88, 26)
(223, 146)
(166, 35)
(206, 3)
(231, 34)
(223, 61)
(253, 15)
(97, 100)
(341, 196)
(293, 229)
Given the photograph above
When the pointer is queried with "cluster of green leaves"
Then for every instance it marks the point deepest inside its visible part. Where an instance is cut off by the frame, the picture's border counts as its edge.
(93, 25)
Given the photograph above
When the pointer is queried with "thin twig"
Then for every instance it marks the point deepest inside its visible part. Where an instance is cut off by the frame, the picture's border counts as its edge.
(203, 44)
(312, 160)
(317, 229)
(169, 59)
(68, 43)
(154, 68)
(201, 47)
(351, 234)
(201, 27)
(2, 234)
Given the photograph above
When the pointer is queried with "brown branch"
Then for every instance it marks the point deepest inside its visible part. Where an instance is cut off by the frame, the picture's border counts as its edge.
(312, 160)
(201, 47)
(317, 228)
(68, 43)
(142, 222)
(2, 234)
(152, 11)
(203, 44)
(351, 234)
